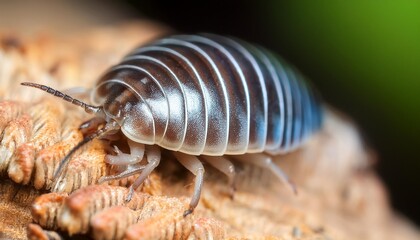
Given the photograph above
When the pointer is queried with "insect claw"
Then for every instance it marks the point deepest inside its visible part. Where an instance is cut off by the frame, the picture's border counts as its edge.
(117, 150)
(102, 180)
(188, 212)
(130, 194)
(293, 187)
(232, 191)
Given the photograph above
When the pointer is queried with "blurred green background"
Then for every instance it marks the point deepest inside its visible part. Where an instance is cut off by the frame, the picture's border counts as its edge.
(364, 56)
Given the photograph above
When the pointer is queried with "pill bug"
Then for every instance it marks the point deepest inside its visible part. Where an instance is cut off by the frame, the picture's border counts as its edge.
(204, 97)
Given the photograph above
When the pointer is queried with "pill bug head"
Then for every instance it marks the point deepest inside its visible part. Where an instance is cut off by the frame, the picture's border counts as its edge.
(132, 102)
(126, 108)
(119, 104)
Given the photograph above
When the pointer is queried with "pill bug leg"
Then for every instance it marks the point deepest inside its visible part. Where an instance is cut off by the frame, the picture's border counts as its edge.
(128, 171)
(153, 159)
(225, 166)
(109, 128)
(91, 125)
(135, 156)
(128, 164)
(193, 164)
(265, 161)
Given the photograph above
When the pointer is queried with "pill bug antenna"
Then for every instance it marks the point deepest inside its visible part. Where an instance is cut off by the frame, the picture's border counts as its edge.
(88, 108)
(110, 126)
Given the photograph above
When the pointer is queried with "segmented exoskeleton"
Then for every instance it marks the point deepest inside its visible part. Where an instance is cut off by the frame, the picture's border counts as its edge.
(201, 95)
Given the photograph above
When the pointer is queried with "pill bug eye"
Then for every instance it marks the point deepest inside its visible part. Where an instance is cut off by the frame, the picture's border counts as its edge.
(114, 109)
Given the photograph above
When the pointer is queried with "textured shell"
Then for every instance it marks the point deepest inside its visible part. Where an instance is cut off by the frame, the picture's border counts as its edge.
(210, 95)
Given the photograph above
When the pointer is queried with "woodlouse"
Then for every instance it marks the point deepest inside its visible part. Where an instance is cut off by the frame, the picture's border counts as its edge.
(200, 95)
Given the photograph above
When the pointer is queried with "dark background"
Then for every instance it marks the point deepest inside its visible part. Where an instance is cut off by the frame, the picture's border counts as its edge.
(364, 56)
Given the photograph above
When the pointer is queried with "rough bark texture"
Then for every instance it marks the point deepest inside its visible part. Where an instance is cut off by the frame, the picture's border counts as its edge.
(340, 196)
